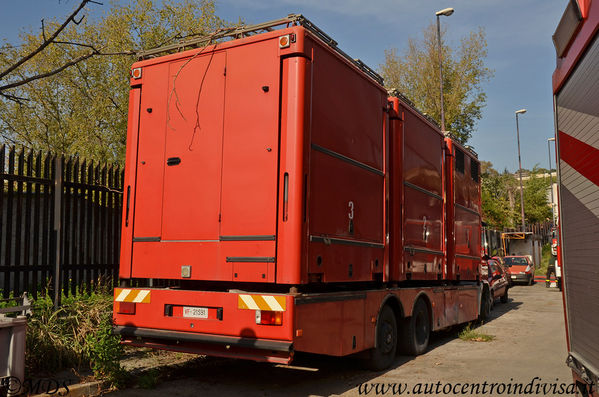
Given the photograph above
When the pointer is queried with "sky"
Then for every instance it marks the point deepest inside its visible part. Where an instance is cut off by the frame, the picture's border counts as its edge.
(520, 52)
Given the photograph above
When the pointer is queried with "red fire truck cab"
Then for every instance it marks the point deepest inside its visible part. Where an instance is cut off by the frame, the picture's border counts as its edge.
(278, 199)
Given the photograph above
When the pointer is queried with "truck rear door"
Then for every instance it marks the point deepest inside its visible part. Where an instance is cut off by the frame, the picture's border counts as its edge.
(205, 202)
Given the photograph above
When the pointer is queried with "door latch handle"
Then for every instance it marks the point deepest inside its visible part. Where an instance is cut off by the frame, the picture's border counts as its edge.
(173, 161)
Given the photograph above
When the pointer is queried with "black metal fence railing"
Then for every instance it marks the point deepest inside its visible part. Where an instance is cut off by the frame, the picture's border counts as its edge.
(59, 222)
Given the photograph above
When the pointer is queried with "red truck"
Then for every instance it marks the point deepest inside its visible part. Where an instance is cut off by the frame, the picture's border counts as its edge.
(280, 200)
(576, 105)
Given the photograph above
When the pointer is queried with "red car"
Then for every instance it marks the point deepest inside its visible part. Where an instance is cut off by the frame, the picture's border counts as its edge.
(508, 274)
(521, 268)
(498, 280)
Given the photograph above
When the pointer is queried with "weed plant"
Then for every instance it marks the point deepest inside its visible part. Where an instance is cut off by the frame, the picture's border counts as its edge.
(76, 335)
(468, 334)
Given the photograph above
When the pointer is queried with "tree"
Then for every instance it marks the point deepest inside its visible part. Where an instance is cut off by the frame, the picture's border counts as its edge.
(497, 196)
(500, 196)
(82, 109)
(416, 75)
(536, 207)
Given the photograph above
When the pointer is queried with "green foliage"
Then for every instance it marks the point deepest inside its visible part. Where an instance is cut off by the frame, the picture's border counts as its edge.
(9, 302)
(83, 110)
(76, 335)
(104, 351)
(536, 206)
(416, 75)
(500, 195)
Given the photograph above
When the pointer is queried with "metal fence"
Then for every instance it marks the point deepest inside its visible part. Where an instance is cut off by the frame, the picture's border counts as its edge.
(59, 222)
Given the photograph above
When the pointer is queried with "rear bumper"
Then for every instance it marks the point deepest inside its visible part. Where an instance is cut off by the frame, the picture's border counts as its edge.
(213, 345)
(187, 337)
(521, 278)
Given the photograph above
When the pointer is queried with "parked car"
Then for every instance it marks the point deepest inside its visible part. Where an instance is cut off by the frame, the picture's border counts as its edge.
(497, 280)
(522, 270)
(508, 274)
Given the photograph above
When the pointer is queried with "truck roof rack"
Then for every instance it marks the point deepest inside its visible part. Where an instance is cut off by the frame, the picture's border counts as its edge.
(398, 94)
(237, 32)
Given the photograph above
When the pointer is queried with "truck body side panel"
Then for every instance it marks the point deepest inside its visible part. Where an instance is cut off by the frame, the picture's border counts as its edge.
(346, 178)
(422, 204)
(464, 258)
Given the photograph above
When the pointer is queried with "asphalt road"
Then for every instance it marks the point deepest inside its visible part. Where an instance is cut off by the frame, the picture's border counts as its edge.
(529, 344)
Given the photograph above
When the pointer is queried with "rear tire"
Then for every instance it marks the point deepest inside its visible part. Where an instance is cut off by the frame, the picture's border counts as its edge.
(383, 355)
(504, 297)
(485, 306)
(417, 330)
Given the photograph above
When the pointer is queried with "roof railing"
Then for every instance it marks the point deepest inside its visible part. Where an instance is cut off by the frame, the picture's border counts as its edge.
(237, 32)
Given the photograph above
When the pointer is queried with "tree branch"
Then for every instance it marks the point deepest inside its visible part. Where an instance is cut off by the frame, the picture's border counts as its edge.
(47, 74)
(45, 43)
(14, 98)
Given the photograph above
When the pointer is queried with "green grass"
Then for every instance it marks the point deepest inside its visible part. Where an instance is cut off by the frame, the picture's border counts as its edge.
(470, 335)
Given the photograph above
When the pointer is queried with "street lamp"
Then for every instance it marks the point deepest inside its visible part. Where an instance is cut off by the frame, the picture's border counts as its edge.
(551, 179)
(521, 111)
(447, 12)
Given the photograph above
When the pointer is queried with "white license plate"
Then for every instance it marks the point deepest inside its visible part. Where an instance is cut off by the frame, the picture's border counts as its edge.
(195, 312)
(513, 277)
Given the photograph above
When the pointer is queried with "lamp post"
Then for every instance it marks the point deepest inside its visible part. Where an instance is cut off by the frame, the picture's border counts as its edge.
(551, 179)
(447, 12)
(521, 111)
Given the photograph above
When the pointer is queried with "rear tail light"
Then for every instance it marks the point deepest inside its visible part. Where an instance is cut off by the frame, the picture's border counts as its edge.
(125, 308)
(269, 317)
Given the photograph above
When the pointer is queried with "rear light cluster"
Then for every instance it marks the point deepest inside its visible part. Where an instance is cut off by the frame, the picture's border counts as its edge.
(265, 317)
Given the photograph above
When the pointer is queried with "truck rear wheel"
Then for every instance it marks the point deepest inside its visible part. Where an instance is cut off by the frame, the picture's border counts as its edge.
(485, 306)
(417, 330)
(504, 297)
(383, 355)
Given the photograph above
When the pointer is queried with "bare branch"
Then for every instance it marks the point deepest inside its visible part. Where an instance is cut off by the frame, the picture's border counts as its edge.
(79, 21)
(63, 67)
(76, 44)
(14, 98)
(44, 30)
(47, 74)
(47, 42)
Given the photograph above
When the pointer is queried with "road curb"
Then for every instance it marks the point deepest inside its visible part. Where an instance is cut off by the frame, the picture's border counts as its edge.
(88, 389)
